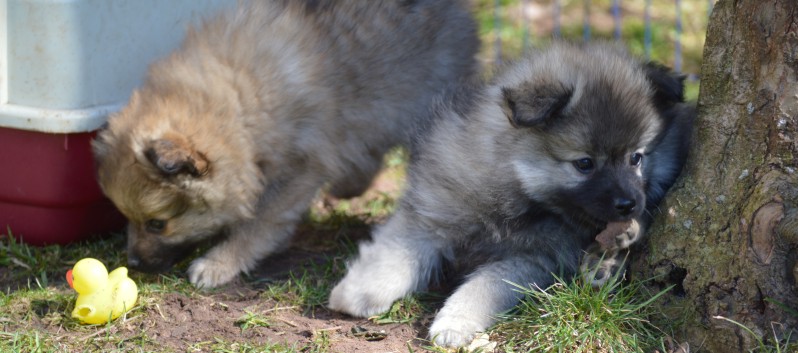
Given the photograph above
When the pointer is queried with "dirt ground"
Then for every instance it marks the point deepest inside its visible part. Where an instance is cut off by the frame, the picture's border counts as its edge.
(173, 321)
(206, 319)
(176, 322)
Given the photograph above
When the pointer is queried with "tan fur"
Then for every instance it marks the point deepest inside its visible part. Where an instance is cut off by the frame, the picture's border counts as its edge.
(236, 131)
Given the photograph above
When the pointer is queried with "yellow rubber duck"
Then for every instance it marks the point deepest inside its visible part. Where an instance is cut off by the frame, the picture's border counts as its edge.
(101, 296)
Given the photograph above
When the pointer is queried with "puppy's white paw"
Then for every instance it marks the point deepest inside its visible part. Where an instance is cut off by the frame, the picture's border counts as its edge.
(598, 270)
(629, 236)
(453, 330)
(357, 298)
(207, 273)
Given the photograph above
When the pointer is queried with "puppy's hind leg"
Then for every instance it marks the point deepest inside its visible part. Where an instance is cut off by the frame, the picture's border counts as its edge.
(399, 260)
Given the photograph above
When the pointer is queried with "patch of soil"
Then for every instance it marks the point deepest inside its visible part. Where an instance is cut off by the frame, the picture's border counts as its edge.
(180, 323)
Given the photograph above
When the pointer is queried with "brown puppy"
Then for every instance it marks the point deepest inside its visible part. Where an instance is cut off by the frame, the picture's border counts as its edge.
(235, 132)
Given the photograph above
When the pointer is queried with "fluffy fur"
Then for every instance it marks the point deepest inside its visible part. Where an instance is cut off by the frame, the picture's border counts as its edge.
(233, 134)
(516, 179)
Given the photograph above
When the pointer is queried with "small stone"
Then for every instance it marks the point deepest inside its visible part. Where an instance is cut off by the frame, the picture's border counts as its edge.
(743, 175)
(481, 343)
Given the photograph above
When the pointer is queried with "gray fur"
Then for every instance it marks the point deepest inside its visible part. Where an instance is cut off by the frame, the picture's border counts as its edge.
(495, 192)
(234, 133)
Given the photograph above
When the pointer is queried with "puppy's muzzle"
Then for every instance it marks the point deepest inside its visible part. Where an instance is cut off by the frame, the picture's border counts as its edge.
(153, 263)
(153, 256)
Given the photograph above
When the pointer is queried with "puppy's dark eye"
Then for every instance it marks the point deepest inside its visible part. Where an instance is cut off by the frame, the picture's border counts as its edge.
(584, 165)
(636, 159)
(155, 226)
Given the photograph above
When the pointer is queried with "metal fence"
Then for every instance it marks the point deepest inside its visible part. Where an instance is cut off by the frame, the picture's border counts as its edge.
(615, 9)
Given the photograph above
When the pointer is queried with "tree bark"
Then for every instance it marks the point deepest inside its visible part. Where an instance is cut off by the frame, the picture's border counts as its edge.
(728, 232)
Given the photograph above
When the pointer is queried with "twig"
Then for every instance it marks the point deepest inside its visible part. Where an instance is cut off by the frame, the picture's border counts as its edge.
(20, 263)
(288, 322)
(334, 328)
(158, 309)
(281, 308)
(107, 328)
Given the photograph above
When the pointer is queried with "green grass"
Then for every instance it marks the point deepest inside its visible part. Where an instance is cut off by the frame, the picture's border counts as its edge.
(42, 266)
(306, 287)
(24, 305)
(403, 311)
(22, 342)
(253, 319)
(574, 317)
(765, 345)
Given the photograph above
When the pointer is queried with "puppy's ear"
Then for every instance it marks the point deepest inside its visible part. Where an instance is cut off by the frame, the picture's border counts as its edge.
(668, 85)
(173, 155)
(100, 145)
(528, 106)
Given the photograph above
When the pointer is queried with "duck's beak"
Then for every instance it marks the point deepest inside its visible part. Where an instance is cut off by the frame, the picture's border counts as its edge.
(69, 278)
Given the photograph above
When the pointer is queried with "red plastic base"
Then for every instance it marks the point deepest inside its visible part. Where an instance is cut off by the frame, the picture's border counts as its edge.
(48, 190)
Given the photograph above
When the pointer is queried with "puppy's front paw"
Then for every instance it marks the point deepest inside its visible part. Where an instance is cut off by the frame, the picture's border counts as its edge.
(453, 330)
(357, 298)
(629, 236)
(619, 235)
(208, 273)
(598, 267)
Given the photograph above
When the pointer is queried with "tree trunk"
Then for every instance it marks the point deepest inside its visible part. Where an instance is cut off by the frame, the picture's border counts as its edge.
(728, 232)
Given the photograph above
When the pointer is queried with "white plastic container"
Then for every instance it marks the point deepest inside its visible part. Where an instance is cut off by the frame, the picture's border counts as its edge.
(64, 66)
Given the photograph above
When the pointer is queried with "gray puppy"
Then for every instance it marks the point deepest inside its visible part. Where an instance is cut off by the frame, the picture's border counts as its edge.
(516, 178)
(232, 135)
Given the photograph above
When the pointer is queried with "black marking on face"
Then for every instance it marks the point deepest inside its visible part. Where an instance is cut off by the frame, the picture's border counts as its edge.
(172, 157)
(613, 192)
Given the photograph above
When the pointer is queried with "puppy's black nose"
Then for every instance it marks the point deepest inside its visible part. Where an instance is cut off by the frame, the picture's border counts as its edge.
(133, 262)
(624, 206)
